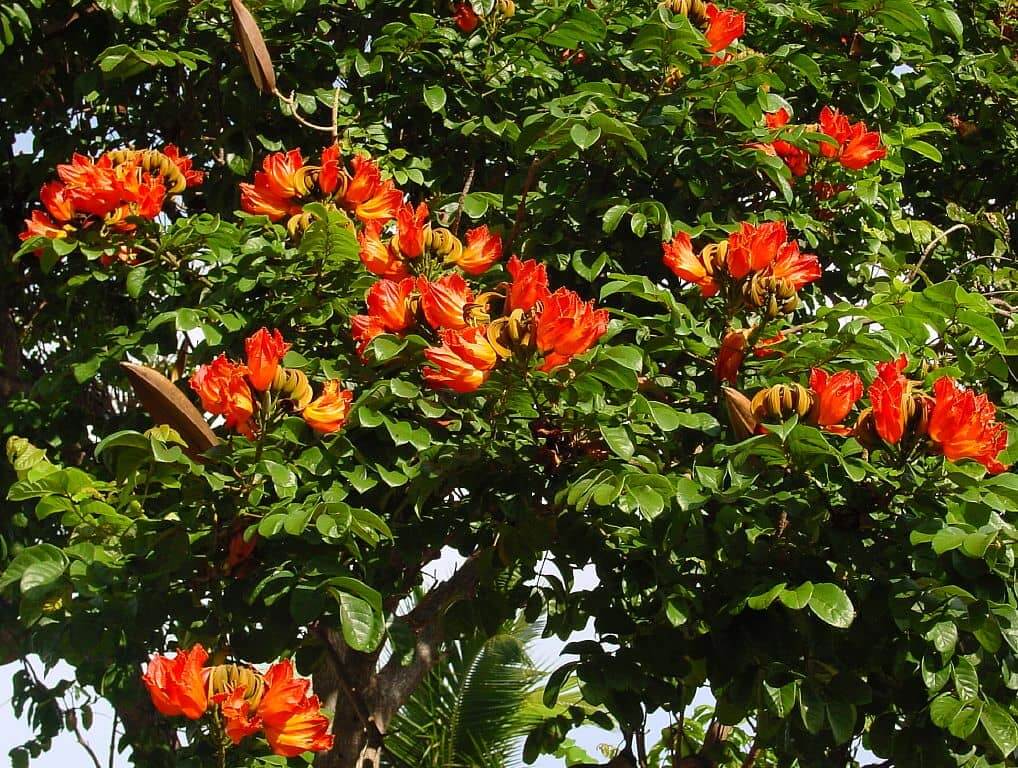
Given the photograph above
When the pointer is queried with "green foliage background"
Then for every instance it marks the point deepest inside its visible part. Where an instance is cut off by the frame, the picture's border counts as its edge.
(884, 614)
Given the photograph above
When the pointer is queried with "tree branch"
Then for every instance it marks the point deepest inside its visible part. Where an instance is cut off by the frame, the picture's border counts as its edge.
(397, 682)
(930, 248)
(521, 209)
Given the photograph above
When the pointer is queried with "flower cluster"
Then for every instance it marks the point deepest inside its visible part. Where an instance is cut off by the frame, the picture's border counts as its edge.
(228, 388)
(474, 331)
(853, 145)
(409, 245)
(274, 702)
(285, 183)
(721, 26)
(467, 19)
(757, 266)
(952, 421)
(107, 193)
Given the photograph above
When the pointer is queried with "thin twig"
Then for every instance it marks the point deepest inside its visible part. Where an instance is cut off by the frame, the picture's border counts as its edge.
(521, 209)
(295, 113)
(335, 114)
(463, 198)
(929, 249)
(71, 716)
(754, 750)
(113, 737)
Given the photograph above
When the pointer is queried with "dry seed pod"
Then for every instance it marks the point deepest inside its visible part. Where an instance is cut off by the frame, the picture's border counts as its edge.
(168, 405)
(740, 413)
(252, 48)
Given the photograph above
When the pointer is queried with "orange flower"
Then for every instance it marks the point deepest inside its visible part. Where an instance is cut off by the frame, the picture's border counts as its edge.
(367, 195)
(236, 711)
(465, 17)
(177, 685)
(278, 174)
(681, 259)
(410, 229)
(800, 269)
(835, 125)
(567, 327)
(240, 551)
(41, 225)
(292, 720)
(730, 356)
(861, 148)
(529, 285)
(834, 396)
(795, 158)
(463, 362)
(778, 119)
(364, 328)
(723, 27)
(483, 249)
(223, 390)
(328, 176)
(444, 301)
(92, 187)
(258, 200)
(389, 302)
(763, 347)
(754, 247)
(889, 394)
(58, 203)
(964, 426)
(327, 413)
(264, 351)
(379, 257)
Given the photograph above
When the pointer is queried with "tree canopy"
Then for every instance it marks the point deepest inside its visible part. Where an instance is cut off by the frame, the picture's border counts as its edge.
(299, 295)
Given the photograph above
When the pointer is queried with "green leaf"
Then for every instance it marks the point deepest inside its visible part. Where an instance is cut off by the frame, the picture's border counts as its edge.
(832, 605)
(943, 709)
(797, 598)
(761, 600)
(1000, 727)
(966, 720)
(842, 716)
(362, 626)
(966, 680)
(584, 137)
(35, 566)
(434, 97)
(926, 150)
(984, 327)
(618, 440)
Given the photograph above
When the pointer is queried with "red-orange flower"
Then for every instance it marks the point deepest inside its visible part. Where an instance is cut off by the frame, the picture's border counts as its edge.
(328, 412)
(367, 195)
(389, 301)
(264, 351)
(292, 720)
(279, 172)
(795, 158)
(259, 200)
(380, 257)
(567, 327)
(463, 362)
(410, 229)
(753, 247)
(833, 397)
(465, 17)
(723, 27)
(763, 347)
(964, 426)
(41, 225)
(681, 259)
(529, 285)
(444, 301)
(889, 394)
(730, 356)
(835, 125)
(223, 390)
(55, 197)
(483, 249)
(364, 328)
(328, 176)
(800, 269)
(177, 685)
(861, 148)
(236, 709)
(240, 551)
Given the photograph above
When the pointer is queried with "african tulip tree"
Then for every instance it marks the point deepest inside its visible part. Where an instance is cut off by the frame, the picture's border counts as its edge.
(714, 299)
